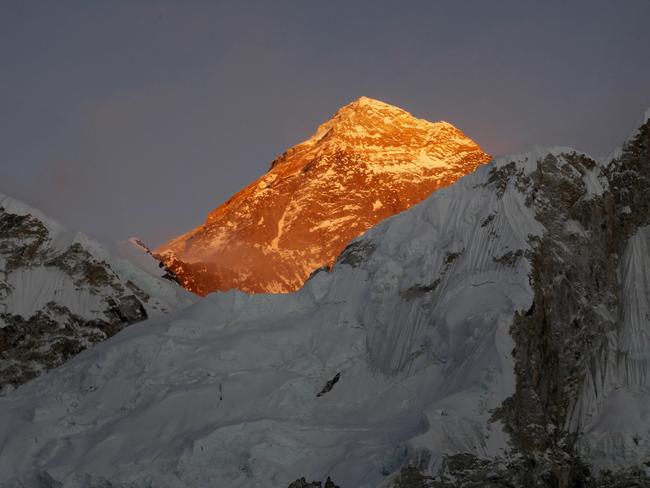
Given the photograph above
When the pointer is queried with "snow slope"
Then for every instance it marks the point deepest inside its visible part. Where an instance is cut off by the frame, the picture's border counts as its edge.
(128, 262)
(414, 316)
(480, 321)
(53, 280)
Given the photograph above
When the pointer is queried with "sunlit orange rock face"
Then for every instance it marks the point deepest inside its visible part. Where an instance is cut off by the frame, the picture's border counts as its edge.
(371, 160)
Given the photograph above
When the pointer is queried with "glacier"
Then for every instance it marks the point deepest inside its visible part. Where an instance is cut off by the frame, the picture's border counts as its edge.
(224, 392)
(407, 351)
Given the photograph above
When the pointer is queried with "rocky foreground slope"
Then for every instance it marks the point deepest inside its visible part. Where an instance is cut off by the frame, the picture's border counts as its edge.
(371, 160)
(61, 292)
(494, 335)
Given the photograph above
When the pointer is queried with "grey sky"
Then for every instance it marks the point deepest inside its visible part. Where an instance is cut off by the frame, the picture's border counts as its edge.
(137, 118)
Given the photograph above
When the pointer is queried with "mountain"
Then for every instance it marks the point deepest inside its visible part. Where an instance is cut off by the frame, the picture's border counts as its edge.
(494, 335)
(61, 292)
(371, 160)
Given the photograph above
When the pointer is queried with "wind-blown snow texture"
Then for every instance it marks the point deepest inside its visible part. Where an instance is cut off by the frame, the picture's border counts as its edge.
(60, 292)
(414, 316)
(419, 319)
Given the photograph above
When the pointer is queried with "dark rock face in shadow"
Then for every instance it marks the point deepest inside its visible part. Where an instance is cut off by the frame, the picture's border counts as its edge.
(53, 334)
(566, 334)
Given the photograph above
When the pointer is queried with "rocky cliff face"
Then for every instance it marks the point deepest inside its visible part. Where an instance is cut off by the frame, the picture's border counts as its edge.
(579, 414)
(60, 293)
(583, 341)
(370, 161)
(495, 335)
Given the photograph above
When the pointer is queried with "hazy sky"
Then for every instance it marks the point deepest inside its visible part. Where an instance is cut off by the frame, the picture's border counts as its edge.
(137, 118)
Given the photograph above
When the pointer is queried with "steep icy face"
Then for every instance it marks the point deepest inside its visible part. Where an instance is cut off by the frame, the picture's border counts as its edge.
(370, 161)
(60, 292)
(580, 354)
(496, 332)
(573, 308)
(614, 405)
(612, 410)
(137, 252)
(227, 392)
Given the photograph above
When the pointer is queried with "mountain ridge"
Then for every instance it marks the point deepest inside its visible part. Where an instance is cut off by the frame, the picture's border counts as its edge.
(61, 292)
(470, 339)
(369, 161)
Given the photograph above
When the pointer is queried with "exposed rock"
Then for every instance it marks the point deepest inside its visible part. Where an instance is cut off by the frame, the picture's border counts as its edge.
(465, 470)
(369, 162)
(169, 273)
(303, 483)
(356, 252)
(329, 385)
(576, 310)
(57, 296)
(22, 239)
(495, 336)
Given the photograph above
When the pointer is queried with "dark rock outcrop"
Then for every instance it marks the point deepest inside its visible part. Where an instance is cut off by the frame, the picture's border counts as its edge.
(303, 483)
(329, 385)
(589, 212)
(52, 333)
(576, 308)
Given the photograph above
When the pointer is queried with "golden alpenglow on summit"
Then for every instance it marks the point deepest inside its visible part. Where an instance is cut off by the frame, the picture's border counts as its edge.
(204, 313)
(370, 161)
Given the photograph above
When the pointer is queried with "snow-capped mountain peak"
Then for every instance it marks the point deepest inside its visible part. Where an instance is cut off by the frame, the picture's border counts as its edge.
(369, 161)
(495, 334)
(389, 136)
